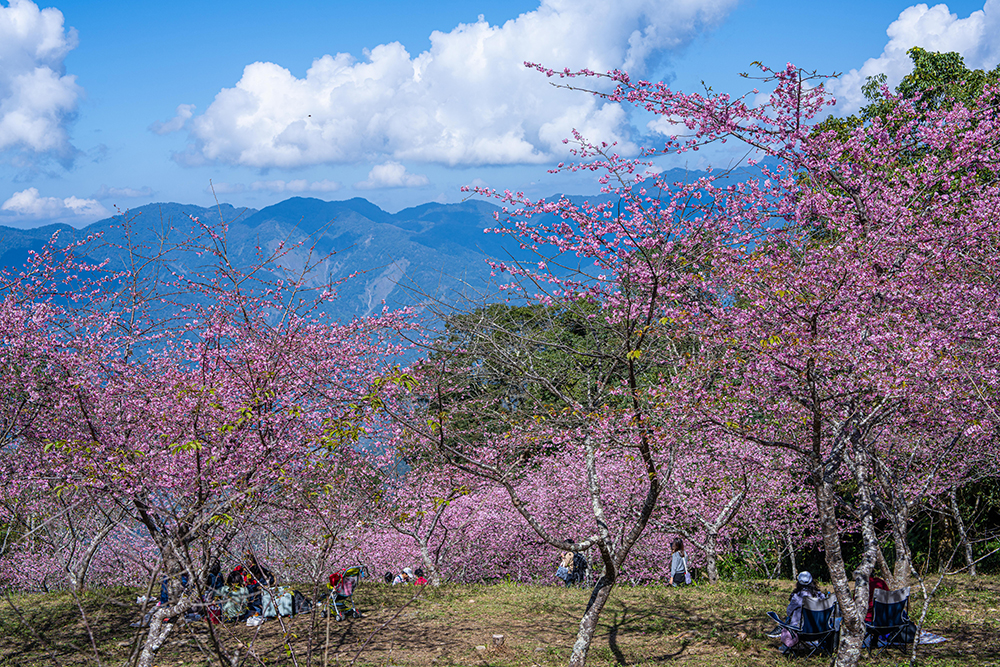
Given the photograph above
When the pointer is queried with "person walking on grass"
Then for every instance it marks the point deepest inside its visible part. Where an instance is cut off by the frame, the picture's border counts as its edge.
(679, 575)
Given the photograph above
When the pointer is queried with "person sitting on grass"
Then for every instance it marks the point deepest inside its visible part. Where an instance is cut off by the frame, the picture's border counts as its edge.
(420, 580)
(404, 577)
(215, 580)
(254, 576)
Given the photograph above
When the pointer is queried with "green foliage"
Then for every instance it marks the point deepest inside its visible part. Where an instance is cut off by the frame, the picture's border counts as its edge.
(733, 567)
(570, 345)
(939, 79)
(498, 341)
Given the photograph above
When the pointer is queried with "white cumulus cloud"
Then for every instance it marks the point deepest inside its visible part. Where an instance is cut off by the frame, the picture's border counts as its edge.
(37, 97)
(29, 206)
(468, 99)
(391, 175)
(976, 38)
(181, 116)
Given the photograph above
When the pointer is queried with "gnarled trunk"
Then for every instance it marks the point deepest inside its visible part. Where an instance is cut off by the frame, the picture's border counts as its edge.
(711, 557)
(903, 566)
(78, 574)
(853, 606)
(588, 624)
(598, 598)
(159, 629)
(427, 559)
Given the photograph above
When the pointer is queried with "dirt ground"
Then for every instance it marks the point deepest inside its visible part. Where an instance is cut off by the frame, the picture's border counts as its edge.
(456, 624)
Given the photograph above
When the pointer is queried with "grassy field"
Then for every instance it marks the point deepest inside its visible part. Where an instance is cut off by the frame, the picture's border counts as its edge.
(454, 625)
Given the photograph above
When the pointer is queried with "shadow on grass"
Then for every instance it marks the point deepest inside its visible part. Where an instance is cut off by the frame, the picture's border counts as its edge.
(50, 627)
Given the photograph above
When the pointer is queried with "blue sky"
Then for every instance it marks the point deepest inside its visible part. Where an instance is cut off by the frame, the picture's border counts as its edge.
(113, 104)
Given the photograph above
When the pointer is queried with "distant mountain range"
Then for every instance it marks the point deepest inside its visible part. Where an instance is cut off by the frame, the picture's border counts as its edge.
(420, 255)
(432, 253)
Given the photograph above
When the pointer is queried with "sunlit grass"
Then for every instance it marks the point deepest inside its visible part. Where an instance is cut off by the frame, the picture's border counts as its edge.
(454, 625)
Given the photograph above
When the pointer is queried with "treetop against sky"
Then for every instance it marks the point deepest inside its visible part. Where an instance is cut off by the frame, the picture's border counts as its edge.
(104, 106)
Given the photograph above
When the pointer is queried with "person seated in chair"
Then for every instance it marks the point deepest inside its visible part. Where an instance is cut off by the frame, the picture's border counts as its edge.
(873, 583)
(805, 588)
(255, 576)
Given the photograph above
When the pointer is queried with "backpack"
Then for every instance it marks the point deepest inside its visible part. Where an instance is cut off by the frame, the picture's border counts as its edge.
(234, 603)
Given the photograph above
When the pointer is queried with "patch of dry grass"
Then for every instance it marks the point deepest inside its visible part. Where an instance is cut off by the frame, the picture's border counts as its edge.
(454, 625)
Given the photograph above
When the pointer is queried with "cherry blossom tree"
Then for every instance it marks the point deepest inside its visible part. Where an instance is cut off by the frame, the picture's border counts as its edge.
(189, 418)
(574, 377)
(845, 271)
(415, 505)
(831, 302)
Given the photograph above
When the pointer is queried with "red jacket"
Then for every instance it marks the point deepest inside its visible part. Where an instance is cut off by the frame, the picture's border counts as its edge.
(873, 583)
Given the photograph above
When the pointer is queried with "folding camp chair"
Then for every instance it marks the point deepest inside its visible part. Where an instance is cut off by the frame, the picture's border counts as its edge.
(820, 626)
(890, 623)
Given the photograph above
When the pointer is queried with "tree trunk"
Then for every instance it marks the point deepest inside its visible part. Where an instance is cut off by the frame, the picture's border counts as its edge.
(852, 629)
(884, 567)
(853, 607)
(428, 561)
(174, 565)
(791, 551)
(963, 538)
(588, 624)
(903, 566)
(159, 629)
(78, 575)
(711, 557)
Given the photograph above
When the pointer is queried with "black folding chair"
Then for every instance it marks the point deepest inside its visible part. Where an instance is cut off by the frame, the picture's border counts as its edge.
(890, 624)
(818, 633)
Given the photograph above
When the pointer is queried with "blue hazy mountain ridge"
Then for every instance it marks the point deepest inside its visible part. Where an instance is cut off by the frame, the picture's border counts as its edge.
(425, 256)
(420, 256)
(149, 223)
